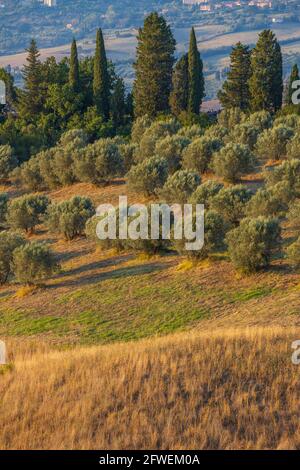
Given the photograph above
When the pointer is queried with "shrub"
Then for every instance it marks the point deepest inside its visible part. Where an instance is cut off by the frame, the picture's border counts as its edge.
(179, 187)
(265, 202)
(198, 154)
(287, 173)
(272, 143)
(148, 176)
(205, 193)
(98, 163)
(33, 262)
(251, 244)
(231, 203)
(7, 161)
(232, 161)
(293, 253)
(214, 234)
(3, 207)
(70, 217)
(230, 117)
(8, 243)
(26, 212)
(171, 148)
(245, 134)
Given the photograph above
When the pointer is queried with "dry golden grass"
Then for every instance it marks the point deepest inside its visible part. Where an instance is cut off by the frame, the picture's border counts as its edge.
(230, 389)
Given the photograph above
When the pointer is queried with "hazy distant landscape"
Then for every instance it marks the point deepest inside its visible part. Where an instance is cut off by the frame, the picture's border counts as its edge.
(217, 31)
(214, 42)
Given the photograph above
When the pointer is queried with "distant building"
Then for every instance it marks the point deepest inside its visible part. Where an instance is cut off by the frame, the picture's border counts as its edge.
(50, 3)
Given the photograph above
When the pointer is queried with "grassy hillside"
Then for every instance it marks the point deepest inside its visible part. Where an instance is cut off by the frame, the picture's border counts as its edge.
(230, 389)
(101, 297)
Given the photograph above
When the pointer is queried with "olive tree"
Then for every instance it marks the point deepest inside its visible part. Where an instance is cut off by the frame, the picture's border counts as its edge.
(9, 241)
(265, 202)
(171, 149)
(7, 161)
(157, 131)
(231, 203)
(261, 119)
(214, 234)
(272, 143)
(205, 193)
(29, 175)
(70, 217)
(245, 134)
(293, 253)
(33, 262)
(179, 187)
(98, 163)
(293, 147)
(287, 173)
(293, 214)
(233, 161)
(251, 245)
(26, 212)
(230, 117)
(3, 207)
(148, 176)
(198, 154)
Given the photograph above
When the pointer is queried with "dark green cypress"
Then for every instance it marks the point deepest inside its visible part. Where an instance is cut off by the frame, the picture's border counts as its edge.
(196, 78)
(180, 86)
(290, 90)
(266, 82)
(153, 67)
(74, 80)
(32, 96)
(235, 92)
(118, 105)
(101, 85)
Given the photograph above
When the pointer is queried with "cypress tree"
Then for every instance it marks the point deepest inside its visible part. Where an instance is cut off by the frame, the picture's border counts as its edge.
(290, 90)
(196, 79)
(180, 86)
(118, 105)
(74, 81)
(32, 96)
(154, 66)
(101, 85)
(235, 92)
(266, 83)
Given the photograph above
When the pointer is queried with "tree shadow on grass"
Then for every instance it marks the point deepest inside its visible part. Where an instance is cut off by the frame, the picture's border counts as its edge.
(68, 256)
(110, 262)
(95, 278)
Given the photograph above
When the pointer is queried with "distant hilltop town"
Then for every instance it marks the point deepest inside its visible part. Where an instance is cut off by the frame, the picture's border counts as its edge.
(210, 5)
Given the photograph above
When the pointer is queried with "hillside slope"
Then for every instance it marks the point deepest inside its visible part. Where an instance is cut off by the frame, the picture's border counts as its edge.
(230, 390)
(100, 297)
